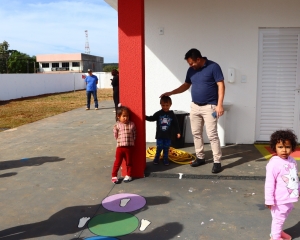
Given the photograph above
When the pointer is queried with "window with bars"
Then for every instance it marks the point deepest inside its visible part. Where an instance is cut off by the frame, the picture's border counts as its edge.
(65, 66)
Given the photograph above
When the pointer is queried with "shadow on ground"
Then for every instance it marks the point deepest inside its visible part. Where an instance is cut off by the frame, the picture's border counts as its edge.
(66, 222)
(61, 223)
(4, 103)
(233, 156)
(166, 232)
(25, 162)
(294, 231)
(8, 174)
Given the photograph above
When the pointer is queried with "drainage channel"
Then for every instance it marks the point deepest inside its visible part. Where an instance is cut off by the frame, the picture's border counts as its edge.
(193, 176)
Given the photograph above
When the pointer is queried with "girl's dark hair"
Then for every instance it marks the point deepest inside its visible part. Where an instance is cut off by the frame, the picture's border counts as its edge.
(282, 136)
(120, 110)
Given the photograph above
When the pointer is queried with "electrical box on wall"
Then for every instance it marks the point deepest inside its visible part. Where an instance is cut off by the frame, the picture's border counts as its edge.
(231, 75)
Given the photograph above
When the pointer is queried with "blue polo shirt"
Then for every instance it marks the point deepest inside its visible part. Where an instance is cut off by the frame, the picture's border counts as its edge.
(204, 82)
(91, 83)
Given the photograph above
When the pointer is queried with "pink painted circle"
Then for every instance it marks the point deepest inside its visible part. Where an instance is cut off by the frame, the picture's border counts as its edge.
(124, 202)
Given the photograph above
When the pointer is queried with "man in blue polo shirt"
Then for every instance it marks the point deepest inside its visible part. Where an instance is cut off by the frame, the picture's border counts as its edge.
(208, 89)
(91, 82)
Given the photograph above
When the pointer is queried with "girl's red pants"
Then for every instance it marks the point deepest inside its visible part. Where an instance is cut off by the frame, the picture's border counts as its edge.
(122, 153)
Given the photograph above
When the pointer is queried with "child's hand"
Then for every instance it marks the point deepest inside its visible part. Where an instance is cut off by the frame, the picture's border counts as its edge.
(269, 206)
(178, 135)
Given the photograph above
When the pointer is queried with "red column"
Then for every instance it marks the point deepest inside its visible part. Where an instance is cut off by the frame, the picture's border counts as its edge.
(132, 74)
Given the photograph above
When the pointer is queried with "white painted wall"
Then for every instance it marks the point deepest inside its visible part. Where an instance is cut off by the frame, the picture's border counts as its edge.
(225, 32)
(104, 79)
(14, 86)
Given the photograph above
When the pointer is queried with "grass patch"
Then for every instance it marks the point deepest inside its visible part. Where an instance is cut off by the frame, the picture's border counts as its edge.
(18, 112)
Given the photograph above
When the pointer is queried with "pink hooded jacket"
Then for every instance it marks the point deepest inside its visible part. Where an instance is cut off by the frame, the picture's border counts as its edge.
(282, 182)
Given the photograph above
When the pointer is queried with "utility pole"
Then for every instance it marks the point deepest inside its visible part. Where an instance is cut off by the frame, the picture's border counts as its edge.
(87, 46)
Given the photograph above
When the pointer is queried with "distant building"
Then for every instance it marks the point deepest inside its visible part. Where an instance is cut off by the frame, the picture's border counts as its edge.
(69, 62)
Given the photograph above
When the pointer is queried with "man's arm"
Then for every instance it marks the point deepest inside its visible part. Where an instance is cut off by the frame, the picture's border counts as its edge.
(221, 93)
(185, 86)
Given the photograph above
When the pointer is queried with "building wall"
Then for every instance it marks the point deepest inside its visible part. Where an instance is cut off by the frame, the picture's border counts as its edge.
(86, 62)
(92, 62)
(58, 57)
(53, 69)
(225, 32)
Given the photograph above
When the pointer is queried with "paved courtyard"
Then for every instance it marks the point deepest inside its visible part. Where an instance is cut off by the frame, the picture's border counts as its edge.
(55, 174)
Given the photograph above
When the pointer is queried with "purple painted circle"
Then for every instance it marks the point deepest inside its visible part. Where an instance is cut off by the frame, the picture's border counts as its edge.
(114, 203)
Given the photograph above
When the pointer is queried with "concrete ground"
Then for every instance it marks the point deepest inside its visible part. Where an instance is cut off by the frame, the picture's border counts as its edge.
(56, 171)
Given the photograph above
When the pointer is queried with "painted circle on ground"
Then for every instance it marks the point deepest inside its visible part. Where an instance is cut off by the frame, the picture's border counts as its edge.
(124, 202)
(113, 224)
(100, 238)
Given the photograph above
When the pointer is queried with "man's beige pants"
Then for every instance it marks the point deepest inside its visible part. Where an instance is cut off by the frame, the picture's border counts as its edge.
(199, 116)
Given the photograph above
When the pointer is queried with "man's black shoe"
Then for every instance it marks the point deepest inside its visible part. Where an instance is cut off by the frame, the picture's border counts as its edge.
(216, 168)
(197, 162)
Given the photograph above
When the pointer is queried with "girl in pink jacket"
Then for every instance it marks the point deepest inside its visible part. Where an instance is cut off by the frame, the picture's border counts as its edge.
(282, 182)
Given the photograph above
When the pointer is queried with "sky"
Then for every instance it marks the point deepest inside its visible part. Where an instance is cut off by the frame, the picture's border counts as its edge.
(58, 26)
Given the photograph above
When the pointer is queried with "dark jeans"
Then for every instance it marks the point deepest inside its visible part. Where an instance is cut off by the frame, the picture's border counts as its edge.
(116, 96)
(162, 145)
(88, 97)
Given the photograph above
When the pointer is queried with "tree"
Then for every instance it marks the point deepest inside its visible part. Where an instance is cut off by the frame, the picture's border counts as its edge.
(21, 63)
(4, 54)
(13, 61)
(109, 68)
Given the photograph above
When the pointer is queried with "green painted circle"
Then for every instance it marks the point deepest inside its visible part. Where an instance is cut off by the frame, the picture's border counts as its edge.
(113, 224)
